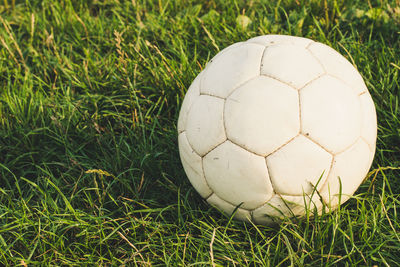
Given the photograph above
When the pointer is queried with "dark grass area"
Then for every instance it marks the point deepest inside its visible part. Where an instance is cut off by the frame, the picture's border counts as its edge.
(89, 169)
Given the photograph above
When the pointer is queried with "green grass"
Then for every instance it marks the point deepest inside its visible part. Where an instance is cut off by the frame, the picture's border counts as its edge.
(89, 169)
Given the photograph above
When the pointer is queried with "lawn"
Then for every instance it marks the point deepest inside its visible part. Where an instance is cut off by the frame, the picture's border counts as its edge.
(90, 174)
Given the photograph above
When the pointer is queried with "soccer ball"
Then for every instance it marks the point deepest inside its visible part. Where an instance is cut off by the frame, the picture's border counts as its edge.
(277, 126)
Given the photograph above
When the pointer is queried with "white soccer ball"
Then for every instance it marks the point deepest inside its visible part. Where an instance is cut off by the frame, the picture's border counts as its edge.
(277, 125)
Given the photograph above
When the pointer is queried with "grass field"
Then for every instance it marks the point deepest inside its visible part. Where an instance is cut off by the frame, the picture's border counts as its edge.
(89, 169)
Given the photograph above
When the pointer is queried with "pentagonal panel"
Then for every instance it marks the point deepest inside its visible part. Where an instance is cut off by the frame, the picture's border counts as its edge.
(291, 64)
(262, 115)
(281, 206)
(237, 176)
(205, 126)
(272, 39)
(348, 171)
(330, 113)
(192, 165)
(231, 69)
(299, 166)
(336, 65)
(240, 214)
(191, 95)
(369, 124)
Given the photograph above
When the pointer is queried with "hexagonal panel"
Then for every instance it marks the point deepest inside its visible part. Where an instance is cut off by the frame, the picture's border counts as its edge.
(237, 176)
(262, 115)
(297, 167)
(191, 95)
(273, 39)
(349, 168)
(228, 209)
(193, 166)
(338, 66)
(281, 206)
(231, 69)
(330, 113)
(291, 64)
(369, 124)
(205, 127)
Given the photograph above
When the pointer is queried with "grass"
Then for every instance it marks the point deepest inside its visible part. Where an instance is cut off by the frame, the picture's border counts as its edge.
(89, 169)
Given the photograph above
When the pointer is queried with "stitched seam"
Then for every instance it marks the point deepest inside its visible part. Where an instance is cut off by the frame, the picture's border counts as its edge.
(206, 199)
(202, 165)
(234, 206)
(369, 146)
(224, 120)
(226, 139)
(272, 195)
(321, 146)
(223, 124)
(187, 114)
(308, 45)
(287, 142)
(279, 80)
(346, 83)
(316, 58)
(262, 58)
(247, 149)
(360, 94)
(208, 94)
(269, 177)
(240, 85)
(190, 145)
(205, 179)
(312, 80)
(270, 181)
(300, 120)
(202, 175)
(347, 147)
(263, 204)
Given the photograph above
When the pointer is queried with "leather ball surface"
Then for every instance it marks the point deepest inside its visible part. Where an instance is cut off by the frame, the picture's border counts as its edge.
(277, 125)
